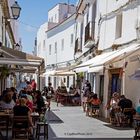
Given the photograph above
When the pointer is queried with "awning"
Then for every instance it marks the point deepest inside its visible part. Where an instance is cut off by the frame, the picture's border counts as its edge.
(49, 72)
(24, 69)
(59, 73)
(117, 56)
(95, 69)
(65, 73)
(23, 62)
(81, 69)
(85, 66)
(96, 64)
(95, 59)
(11, 56)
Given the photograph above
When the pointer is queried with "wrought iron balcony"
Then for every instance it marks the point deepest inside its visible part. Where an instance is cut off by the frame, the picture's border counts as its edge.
(78, 48)
(89, 34)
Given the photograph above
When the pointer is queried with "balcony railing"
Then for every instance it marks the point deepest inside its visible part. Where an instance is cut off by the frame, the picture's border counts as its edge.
(78, 46)
(89, 34)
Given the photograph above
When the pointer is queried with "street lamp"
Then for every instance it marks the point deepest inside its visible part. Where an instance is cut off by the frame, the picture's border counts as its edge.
(15, 8)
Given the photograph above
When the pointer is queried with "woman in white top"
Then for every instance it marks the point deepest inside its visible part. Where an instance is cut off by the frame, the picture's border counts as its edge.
(113, 106)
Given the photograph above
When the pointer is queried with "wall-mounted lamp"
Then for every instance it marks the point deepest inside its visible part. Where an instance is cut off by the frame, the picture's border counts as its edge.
(15, 8)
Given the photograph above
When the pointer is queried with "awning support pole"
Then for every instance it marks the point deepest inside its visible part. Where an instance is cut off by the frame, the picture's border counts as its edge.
(38, 78)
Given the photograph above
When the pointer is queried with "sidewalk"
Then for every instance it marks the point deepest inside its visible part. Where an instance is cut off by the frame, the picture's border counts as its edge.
(70, 123)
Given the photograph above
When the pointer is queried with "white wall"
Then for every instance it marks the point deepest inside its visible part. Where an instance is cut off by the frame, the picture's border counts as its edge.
(41, 36)
(89, 14)
(132, 86)
(53, 14)
(108, 27)
(60, 12)
(60, 32)
(107, 39)
(60, 26)
(61, 56)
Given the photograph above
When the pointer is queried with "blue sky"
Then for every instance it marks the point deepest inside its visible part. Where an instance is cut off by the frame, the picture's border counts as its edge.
(34, 14)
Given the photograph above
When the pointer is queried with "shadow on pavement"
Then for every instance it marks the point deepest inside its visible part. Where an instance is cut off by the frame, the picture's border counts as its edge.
(102, 119)
(119, 128)
(112, 126)
(52, 117)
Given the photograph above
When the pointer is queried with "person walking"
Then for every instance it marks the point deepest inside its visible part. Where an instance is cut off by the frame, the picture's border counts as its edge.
(49, 94)
(85, 94)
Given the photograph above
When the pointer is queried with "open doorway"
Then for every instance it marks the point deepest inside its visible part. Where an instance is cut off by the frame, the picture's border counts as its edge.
(115, 81)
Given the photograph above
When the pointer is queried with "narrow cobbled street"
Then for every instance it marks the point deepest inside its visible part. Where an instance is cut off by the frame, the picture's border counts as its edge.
(70, 122)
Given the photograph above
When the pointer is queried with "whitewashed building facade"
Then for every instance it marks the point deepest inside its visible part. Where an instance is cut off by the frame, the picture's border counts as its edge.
(112, 44)
(107, 44)
(55, 42)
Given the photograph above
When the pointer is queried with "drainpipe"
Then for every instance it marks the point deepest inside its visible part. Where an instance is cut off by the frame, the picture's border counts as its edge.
(138, 22)
(124, 74)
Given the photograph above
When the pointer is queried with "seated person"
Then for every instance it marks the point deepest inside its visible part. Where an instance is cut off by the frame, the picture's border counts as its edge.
(22, 110)
(95, 104)
(136, 118)
(39, 102)
(138, 109)
(7, 102)
(29, 103)
(124, 103)
(14, 90)
(71, 90)
(76, 97)
(113, 107)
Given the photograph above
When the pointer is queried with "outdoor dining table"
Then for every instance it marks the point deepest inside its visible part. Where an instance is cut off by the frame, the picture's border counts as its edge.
(64, 98)
(4, 115)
